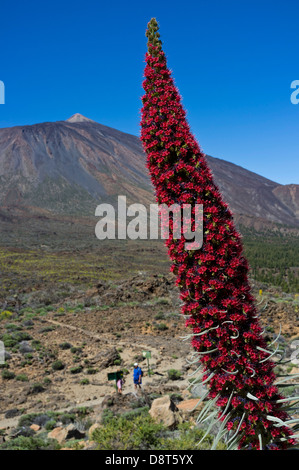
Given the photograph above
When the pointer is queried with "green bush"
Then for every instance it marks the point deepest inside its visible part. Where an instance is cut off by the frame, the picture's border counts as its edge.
(22, 336)
(11, 340)
(120, 433)
(79, 307)
(162, 327)
(163, 301)
(58, 365)
(140, 432)
(36, 344)
(51, 424)
(76, 350)
(76, 370)
(174, 374)
(22, 378)
(188, 439)
(159, 316)
(49, 308)
(47, 329)
(107, 416)
(132, 414)
(12, 327)
(7, 375)
(5, 365)
(8, 340)
(30, 443)
(65, 345)
(67, 418)
(36, 418)
(27, 420)
(5, 314)
(84, 382)
(36, 388)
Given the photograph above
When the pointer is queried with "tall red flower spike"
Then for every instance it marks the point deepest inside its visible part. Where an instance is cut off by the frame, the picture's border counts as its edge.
(231, 352)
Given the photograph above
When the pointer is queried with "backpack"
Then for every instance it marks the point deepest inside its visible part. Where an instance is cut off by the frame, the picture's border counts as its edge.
(141, 372)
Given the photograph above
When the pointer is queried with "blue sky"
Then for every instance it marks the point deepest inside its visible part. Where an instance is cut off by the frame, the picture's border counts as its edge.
(233, 62)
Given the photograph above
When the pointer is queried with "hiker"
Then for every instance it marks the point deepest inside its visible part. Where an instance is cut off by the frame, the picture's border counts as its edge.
(137, 376)
(119, 384)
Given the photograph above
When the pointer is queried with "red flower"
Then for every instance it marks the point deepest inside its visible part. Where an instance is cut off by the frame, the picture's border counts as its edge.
(213, 280)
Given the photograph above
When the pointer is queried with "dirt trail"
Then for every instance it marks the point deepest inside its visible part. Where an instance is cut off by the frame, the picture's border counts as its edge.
(139, 340)
(164, 363)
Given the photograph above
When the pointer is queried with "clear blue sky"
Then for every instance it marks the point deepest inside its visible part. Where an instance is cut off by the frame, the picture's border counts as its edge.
(232, 60)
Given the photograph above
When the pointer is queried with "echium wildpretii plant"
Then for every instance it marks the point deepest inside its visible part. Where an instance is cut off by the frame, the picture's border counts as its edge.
(233, 357)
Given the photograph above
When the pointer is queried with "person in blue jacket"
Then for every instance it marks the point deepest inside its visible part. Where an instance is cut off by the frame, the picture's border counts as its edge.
(137, 376)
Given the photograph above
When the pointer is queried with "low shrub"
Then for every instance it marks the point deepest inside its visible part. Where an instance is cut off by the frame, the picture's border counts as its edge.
(65, 345)
(138, 431)
(36, 344)
(58, 365)
(7, 374)
(76, 350)
(84, 382)
(76, 370)
(91, 371)
(47, 329)
(161, 327)
(12, 327)
(12, 339)
(5, 314)
(120, 433)
(67, 418)
(36, 388)
(186, 438)
(35, 418)
(22, 378)
(159, 316)
(51, 424)
(174, 374)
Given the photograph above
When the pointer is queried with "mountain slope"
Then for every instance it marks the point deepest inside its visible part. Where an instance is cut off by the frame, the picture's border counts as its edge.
(250, 194)
(48, 165)
(69, 167)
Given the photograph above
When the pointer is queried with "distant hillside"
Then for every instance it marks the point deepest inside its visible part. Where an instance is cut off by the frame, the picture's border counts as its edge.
(69, 167)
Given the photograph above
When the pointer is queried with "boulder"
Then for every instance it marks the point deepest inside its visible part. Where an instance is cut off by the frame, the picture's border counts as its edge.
(62, 434)
(58, 433)
(7, 356)
(90, 445)
(12, 413)
(190, 408)
(24, 347)
(164, 410)
(35, 427)
(73, 432)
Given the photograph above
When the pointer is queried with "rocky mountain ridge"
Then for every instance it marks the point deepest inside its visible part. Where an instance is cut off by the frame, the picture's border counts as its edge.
(69, 167)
